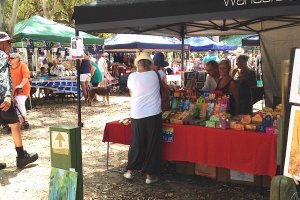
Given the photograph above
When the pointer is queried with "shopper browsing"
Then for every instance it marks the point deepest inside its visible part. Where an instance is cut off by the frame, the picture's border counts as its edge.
(8, 113)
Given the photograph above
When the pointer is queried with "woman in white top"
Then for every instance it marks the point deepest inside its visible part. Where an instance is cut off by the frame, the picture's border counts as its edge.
(146, 125)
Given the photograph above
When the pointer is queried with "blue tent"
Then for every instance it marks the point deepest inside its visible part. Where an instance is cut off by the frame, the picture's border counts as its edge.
(205, 44)
(132, 42)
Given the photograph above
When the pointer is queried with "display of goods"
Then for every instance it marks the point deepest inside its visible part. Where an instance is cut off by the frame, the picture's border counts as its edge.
(166, 114)
(186, 104)
(214, 118)
(270, 130)
(223, 124)
(250, 127)
(211, 124)
(203, 111)
(196, 122)
(246, 119)
(232, 124)
(267, 110)
(177, 93)
(217, 108)
(267, 121)
(257, 118)
(239, 127)
(210, 108)
(276, 121)
(175, 104)
(180, 118)
(261, 128)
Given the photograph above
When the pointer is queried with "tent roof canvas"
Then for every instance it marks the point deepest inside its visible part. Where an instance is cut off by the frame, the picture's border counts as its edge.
(235, 40)
(41, 29)
(186, 17)
(205, 44)
(130, 42)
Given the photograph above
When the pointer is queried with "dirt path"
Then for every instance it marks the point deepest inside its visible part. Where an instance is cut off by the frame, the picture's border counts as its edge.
(32, 183)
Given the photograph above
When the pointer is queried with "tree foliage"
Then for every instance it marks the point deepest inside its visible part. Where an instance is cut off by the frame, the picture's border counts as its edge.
(60, 11)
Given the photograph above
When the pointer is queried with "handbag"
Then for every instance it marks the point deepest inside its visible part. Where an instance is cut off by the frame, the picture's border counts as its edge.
(164, 93)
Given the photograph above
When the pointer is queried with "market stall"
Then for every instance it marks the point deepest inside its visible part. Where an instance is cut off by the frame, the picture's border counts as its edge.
(245, 151)
(277, 23)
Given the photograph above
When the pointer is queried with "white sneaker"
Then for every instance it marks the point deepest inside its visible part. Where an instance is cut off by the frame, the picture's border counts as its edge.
(150, 181)
(128, 175)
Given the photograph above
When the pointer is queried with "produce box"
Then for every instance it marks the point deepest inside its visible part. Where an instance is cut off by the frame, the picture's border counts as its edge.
(223, 175)
(185, 168)
(244, 178)
(206, 170)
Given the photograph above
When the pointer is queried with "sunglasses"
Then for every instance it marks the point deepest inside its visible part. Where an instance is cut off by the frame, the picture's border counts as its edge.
(13, 58)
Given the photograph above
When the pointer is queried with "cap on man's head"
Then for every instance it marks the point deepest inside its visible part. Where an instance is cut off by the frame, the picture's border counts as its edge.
(159, 60)
(4, 37)
(142, 56)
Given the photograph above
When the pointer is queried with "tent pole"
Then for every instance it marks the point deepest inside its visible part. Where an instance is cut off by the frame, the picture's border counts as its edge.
(78, 88)
(182, 47)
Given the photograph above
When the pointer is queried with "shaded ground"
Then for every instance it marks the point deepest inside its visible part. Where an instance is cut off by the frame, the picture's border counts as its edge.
(33, 182)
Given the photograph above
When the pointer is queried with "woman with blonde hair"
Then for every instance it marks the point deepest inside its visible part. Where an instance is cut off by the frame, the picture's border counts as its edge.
(20, 75)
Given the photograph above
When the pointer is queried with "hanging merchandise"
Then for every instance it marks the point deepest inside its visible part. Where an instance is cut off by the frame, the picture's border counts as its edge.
(30, 47)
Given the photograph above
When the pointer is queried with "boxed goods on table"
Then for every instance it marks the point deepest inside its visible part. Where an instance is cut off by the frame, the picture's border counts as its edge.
(180, 118)
(166, 116)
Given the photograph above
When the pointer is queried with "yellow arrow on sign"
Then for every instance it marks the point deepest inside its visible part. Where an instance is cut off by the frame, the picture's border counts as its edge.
(60, 138)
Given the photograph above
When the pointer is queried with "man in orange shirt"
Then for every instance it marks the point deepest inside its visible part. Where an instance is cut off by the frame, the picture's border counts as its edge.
(8, 113)
(20, 75)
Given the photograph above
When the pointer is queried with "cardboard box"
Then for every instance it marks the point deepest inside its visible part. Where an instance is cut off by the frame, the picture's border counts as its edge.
(180, 118)
(223, 175)
(244, 178)
(206, 170)
(266, 181)
(185, 168)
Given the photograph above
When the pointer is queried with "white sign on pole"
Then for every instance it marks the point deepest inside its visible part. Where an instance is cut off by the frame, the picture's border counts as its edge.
(60, 142)
(77, 47)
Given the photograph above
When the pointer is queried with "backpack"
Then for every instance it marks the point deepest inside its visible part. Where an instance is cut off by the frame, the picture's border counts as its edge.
(164, 93)
(283, 188)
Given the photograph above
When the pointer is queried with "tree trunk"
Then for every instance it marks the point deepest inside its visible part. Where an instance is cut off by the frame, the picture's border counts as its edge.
(13, 18)
(2, 5)
(49, 14)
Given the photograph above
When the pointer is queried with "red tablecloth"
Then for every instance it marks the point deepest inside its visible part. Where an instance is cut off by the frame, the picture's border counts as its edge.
(245, 151)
